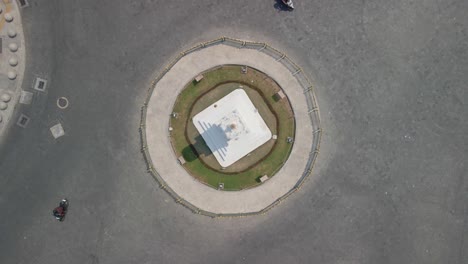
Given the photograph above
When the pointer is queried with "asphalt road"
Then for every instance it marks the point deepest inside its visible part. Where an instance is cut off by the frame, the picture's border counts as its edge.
(390, 185)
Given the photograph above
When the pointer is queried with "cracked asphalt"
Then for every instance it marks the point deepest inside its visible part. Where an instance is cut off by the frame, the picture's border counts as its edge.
(390, 184)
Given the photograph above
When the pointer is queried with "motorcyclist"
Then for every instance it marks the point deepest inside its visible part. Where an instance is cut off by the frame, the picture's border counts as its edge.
(59, 212)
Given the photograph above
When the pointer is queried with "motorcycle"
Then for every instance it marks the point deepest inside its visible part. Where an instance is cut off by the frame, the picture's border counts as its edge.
(288, 3)
(60, 211)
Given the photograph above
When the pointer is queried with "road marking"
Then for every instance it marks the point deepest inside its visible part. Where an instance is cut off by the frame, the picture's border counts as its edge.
(26, 97)
(57, 131)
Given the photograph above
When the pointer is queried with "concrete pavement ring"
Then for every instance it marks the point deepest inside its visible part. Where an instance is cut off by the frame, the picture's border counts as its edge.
(163, 162)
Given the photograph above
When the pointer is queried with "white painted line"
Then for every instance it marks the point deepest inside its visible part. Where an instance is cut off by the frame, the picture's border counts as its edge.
(26, 97)
(57, 131)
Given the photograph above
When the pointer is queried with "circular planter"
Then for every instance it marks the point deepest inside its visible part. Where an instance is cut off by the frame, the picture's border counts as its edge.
(187, 142)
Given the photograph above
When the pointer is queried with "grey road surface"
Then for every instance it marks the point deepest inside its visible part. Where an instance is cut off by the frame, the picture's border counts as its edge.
(391, 181)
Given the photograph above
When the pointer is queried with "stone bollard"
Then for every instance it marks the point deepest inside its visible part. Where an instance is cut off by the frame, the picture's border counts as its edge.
(13, 61)
(8, 17)
(3, 105)
(12, 75)
(13, 47)
(12, 33)
(5, 97)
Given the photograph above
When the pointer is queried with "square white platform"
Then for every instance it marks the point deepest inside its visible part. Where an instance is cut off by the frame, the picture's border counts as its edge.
(232, 127)
(57, 131)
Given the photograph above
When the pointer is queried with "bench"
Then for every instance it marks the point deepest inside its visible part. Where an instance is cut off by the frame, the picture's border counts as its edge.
(199, 78)
(263, 178)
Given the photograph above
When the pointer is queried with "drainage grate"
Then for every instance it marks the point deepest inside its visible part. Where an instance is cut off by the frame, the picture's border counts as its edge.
(23, 3)
(40, 84)
(23, 121)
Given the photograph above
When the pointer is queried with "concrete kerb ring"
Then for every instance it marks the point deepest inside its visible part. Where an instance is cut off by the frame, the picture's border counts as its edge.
(62, 102)
(307, 91)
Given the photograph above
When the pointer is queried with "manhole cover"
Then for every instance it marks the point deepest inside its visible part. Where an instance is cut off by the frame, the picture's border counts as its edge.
(62, 102)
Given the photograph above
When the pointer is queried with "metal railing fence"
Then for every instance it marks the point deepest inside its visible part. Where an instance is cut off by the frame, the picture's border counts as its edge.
(313, 110)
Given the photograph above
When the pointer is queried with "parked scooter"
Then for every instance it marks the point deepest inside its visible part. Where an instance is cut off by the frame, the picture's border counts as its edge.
(60, 211)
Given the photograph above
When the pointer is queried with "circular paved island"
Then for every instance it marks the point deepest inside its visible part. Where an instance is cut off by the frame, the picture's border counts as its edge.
(166, 165)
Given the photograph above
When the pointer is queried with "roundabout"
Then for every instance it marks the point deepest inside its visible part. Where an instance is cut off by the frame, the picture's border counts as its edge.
(165, 156)
(234, 133)
(389, 184)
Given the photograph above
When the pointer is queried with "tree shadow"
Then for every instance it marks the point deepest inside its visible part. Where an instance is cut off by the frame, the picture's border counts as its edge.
(197, 149)
(189, 153)
(200, 147)
(216, 137)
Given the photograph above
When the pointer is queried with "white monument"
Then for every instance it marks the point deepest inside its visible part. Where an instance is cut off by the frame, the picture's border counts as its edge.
(232, 127)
